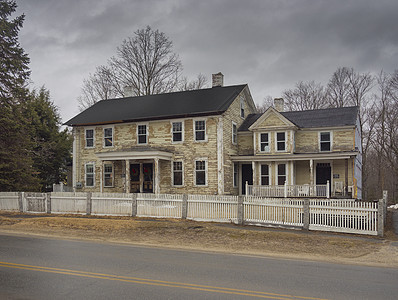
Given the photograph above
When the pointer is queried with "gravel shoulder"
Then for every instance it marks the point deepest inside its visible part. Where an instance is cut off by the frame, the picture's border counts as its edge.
(207, 236)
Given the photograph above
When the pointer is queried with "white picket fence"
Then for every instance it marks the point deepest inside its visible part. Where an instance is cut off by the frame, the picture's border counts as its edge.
(343, 216)
(273, 211)
(340, 215)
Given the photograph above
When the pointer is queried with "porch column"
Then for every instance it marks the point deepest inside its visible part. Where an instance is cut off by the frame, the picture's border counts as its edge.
(311, 172)
(127, 177)
(254, 165)
(102, 176)
(157, 177)
(346, 177)
(141, 178)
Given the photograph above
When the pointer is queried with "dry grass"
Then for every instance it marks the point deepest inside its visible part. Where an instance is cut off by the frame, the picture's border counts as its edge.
(209, 236)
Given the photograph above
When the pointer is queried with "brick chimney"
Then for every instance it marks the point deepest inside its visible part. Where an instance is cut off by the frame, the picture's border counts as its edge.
(279, 104)
(218, 79)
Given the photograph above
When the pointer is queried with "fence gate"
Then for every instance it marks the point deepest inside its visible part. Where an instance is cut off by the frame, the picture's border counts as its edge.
(35, 202)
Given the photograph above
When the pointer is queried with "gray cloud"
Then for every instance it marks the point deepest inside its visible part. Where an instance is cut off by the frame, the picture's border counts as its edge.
(268, 44)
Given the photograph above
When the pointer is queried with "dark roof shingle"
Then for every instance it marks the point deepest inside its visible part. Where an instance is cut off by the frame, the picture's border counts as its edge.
(153, 107)
(328, 117)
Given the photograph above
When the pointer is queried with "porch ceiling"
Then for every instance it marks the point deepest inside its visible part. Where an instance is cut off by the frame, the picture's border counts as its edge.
(135, 155)
(301, 156)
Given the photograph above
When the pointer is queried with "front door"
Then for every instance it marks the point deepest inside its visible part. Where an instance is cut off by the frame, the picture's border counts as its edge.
(247, 175)
(323, 174)
(135, 178)
(147, 169)
(141, 178)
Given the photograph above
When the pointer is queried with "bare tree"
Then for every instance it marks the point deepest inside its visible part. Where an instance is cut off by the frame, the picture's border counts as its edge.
(145, 63)
(305, 96)
(268, 101)
(338, 87)
(199, 83)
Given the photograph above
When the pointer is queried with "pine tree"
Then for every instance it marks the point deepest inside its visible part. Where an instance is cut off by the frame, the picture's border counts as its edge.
(51, 147)
(16, 163)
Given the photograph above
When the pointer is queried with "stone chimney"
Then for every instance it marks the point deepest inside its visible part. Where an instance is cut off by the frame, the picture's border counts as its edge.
(218, 79)
(279, 104)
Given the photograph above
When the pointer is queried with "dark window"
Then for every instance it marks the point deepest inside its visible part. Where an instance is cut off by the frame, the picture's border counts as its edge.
(177, 173)
(264, 175)
(264, 142)
(281, 141)
(242, 107)
(108, 137)
(200, 169)
(177, 131)
(142, 134)
(281, 174)
(235, 175)
(89, 138)
(325, 141)
(200, 130)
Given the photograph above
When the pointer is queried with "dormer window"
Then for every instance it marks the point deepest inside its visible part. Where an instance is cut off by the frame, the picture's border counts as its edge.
(281, 141)
(264, 142)
(324, 141)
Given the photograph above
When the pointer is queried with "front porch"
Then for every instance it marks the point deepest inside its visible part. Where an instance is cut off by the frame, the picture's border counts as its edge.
(139, 169)
(298, 191)
(297, 175)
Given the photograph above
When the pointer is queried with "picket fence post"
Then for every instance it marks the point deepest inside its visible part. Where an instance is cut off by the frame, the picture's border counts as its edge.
(380, 218)
(89, 202)
(134, 204)
(184, 212)
(241, 215)
(48, 201)
(20, 201)
(306, 214)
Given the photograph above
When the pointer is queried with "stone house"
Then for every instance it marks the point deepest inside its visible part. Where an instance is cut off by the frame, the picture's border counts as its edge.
(211, 141)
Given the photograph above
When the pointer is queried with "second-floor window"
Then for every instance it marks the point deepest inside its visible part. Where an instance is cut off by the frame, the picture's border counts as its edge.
(280, 141)
(177, 131)
(89, 138)
(234, 133)
(324, 141)
(142, 134)
(108, 137)
(264, 175)
(200, 130)
(264, 142)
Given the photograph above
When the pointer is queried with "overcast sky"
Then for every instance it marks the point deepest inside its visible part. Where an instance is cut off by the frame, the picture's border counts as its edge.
(268, 44)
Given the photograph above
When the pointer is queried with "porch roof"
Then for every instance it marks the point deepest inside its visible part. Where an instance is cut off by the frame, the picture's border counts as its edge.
(295, 156)
(136, 154)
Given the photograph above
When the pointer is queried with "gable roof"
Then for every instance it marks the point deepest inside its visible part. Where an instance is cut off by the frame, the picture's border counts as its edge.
(329, 117)
(202, 102)
(271, 111)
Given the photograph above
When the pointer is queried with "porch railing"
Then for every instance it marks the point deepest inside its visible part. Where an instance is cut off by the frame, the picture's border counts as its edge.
(304, 190)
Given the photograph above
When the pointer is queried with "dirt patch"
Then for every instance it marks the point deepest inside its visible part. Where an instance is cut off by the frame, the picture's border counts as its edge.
(209, 236)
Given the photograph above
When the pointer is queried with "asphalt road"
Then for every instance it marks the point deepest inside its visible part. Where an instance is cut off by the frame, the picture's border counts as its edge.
(47, 268)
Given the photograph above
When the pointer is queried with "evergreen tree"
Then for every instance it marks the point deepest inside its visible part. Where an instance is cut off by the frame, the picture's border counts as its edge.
(51, 147)
(16, 163)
